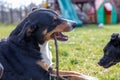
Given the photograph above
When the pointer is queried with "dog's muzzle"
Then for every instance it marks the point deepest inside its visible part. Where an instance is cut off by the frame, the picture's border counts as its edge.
(107, 62)
(71, 23)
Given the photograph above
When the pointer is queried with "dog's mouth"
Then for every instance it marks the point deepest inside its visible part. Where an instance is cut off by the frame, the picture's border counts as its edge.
(107, 65)
(60, 36)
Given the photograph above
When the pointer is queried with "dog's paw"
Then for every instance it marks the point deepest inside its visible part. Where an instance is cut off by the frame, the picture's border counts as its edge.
(59, 78)
(54, 77)
(88, 77)
(33, 9)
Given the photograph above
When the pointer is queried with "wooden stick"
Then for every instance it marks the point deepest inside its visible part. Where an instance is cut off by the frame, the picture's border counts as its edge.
(57, 58)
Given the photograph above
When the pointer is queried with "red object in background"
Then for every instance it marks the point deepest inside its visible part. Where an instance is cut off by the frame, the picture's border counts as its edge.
(107, 11)
(108, 8)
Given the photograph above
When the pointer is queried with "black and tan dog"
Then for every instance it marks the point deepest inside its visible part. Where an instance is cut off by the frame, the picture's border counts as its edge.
(25, 54)
(111, 52)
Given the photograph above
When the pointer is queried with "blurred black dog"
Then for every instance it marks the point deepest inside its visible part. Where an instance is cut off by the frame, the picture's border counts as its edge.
(111, 52)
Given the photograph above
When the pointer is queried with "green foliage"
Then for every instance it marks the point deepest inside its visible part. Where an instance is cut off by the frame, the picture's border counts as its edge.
(83, 50)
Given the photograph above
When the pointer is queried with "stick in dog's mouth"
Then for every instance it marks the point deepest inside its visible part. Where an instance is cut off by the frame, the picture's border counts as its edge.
(57, 57)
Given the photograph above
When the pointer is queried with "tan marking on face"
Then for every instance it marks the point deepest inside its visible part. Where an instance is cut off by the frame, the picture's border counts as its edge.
(55, 18)
(44, 32)
(29, 31)
(48, 36)
(64, 27)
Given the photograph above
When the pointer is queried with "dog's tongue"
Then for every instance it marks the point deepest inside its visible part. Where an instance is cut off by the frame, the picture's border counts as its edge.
(60, 36)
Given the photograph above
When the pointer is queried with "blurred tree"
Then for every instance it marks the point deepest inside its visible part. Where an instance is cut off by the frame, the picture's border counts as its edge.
(11, 15)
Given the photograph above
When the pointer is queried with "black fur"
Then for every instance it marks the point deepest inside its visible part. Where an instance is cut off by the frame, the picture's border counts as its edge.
(20, 51)
(111, 52)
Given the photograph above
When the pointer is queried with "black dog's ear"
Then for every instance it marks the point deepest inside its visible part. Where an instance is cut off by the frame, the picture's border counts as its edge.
(26, 30)
(119, 36)
(115, 36)
(33, 9)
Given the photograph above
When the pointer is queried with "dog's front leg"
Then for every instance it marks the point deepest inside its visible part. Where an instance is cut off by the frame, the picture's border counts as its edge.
(75, 77)
(69, 75)
(66, 72)
(72, 75)
(43, 65)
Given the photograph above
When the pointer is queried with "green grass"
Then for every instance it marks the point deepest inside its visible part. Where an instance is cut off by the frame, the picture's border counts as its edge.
(5, 30)
(83, 50)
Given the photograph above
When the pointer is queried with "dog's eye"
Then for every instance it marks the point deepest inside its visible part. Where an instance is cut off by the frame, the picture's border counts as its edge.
(57, 21)
(55, 18)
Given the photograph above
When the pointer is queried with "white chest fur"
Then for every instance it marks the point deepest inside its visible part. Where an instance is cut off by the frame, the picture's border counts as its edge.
(46, 54)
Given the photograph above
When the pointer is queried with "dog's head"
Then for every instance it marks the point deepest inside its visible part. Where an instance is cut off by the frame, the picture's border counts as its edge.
(111, 52)
(41, 24)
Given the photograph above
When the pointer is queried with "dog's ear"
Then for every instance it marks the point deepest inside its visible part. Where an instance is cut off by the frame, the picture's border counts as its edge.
(115, 36)
(119, 36)
(27, 30)
(33, 9)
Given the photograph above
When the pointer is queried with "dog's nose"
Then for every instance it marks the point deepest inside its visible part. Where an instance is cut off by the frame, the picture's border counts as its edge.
(99, 63)
(71, 23)
(74, 24)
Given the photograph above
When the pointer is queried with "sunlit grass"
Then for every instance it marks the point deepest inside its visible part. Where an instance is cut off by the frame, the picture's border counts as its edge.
(5, 30)
(83, 50)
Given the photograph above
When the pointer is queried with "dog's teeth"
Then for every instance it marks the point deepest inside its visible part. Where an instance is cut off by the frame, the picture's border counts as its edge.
(65, 37)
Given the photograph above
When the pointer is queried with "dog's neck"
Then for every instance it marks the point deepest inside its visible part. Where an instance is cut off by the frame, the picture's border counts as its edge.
(46, 53)
(43, 47)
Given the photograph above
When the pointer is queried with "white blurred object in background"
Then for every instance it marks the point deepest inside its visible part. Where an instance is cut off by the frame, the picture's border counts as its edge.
(101, 25)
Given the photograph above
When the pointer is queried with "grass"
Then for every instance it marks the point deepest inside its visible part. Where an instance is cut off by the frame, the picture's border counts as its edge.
(83, 50)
